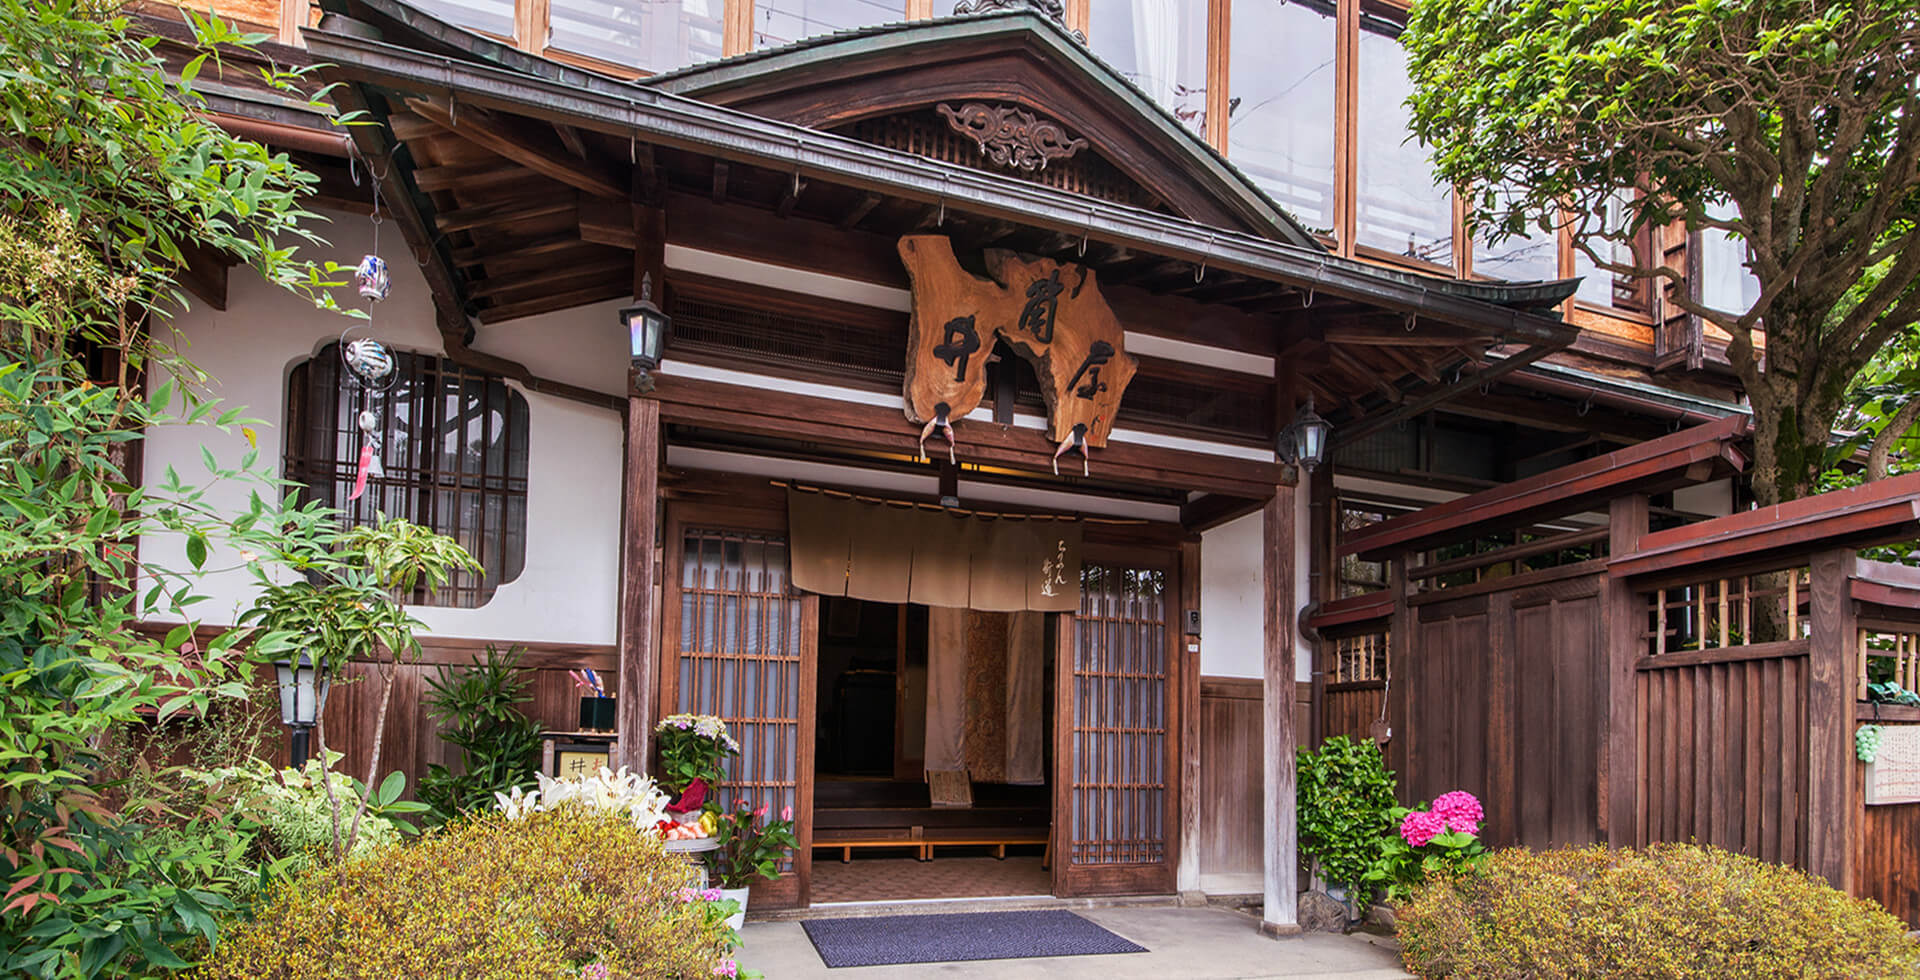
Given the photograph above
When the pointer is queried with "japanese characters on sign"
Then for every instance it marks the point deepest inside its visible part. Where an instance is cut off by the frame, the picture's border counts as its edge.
(1050, 313)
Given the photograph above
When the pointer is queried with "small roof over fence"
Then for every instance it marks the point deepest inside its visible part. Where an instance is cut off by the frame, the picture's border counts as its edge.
(1690, 456)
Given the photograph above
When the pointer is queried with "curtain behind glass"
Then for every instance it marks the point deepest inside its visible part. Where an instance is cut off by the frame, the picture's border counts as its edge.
(1402, 210)
(1726, 284)
(1159, 45)
(1280, 108)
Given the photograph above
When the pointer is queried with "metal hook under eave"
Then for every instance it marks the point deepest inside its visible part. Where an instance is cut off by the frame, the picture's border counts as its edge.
(1411, 319)
(633, 149)
(1309, 301)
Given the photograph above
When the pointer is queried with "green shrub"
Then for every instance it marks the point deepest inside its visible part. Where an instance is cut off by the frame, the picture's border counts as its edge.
(1668, 912)
(1346, 799)
(491, 898)
(478, 707)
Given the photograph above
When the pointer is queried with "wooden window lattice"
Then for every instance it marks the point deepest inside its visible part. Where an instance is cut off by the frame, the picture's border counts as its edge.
(1363, 657)
(1119, 746)
(454, 450)
(1888, 654)
(1720, 613)
(740, 638)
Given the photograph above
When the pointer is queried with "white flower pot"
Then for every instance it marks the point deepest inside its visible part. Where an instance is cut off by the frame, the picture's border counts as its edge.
(739, 895)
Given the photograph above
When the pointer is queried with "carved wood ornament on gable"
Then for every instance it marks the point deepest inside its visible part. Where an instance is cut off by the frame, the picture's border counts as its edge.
(1050, 313)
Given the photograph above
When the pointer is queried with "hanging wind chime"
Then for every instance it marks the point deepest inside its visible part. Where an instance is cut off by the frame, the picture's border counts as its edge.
(369, 364)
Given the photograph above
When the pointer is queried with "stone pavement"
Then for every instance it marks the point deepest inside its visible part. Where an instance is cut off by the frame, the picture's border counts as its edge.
(1182, 944)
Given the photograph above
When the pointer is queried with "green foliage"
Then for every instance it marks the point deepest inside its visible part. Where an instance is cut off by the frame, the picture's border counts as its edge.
(1669, 912)
(499, 747)
(748, 849)
(1400, 867)
(491, 898)
(1785, 124)
(1345, 802)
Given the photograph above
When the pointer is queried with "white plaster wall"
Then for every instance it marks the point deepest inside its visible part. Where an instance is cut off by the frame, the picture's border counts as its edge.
(567, 591)
(1713, 499)
(1232, 624)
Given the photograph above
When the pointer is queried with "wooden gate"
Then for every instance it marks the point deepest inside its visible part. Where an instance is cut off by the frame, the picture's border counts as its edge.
(1116, 802)
(739, 642)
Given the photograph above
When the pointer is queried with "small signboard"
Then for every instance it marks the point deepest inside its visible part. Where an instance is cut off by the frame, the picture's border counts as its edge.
(1894, 774)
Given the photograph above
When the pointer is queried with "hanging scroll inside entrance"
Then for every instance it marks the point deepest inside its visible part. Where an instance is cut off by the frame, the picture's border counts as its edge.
(1050, 313)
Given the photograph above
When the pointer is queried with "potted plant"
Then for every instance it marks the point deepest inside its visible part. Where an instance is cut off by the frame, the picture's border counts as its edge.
(748, 851)
(693, 759)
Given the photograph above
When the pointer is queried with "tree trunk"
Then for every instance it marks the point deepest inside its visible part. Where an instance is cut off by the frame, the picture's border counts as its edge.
(1878, 457)
(379, 735)
(1790, 433)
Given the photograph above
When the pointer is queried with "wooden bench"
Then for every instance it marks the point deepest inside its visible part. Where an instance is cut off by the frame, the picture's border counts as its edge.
(923, 842)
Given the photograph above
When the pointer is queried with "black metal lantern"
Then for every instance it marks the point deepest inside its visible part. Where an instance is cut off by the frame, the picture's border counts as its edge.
(1305, 441)
(303, 692)
(647, 329)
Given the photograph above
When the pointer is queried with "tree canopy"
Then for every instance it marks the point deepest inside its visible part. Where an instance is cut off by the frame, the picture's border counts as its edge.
(1791, 125)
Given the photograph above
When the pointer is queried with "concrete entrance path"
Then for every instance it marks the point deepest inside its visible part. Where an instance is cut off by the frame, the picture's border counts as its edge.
(1182, 944)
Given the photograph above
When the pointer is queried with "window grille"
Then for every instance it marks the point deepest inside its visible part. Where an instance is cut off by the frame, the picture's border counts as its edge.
(453, 443)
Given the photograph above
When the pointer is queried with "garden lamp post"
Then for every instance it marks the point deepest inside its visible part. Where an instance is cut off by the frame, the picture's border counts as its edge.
(303, 692)
(647, 329)
(1305, 441)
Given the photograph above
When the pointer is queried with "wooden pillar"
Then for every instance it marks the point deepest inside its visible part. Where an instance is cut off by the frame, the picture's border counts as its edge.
(1281, 829)
(1187, 874)
(638, 519)
(640, 509)
(1402, 660)
(1323, 571)
(1626, 619)
(1831, 812)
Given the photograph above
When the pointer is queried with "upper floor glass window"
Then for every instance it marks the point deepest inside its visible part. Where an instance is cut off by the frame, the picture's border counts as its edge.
(453, 445)
(1601, 287)
(1726, 284)
(1280, 104)
(778, 22)
(1521, 258)
(1401, 209)
(487, 16)
(1159, 45)
(650, 35)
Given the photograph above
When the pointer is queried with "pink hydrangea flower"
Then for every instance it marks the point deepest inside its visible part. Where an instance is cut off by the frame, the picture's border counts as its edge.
(594, 971)
(1421, 826)
(686, 895)
(1460, 811)
(726, 968)
(710, 895)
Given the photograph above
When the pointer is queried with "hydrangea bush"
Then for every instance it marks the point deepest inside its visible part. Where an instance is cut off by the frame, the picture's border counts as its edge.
(1442, 838)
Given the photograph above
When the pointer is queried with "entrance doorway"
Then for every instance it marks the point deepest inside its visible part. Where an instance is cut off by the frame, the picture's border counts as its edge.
(886, 828)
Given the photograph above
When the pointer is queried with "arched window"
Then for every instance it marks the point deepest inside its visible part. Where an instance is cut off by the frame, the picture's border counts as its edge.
(453, 443)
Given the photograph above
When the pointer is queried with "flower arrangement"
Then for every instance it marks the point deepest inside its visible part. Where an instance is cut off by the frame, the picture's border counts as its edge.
(693, 758)
(628, 792)
(1441, 838)
(748, 850)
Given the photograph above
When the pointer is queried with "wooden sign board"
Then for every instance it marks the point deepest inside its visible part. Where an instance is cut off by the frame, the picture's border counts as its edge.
(1051, 313)
(1894, 774)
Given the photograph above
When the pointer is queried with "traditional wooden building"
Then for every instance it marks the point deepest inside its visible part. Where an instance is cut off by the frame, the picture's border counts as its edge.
(967, 472)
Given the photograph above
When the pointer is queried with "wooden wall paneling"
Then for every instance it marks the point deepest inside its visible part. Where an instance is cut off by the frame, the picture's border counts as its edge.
(1829, 711)
(1187, 659)
(1280, 859)
(638, 628)
(1230, 841)
(1498, 662)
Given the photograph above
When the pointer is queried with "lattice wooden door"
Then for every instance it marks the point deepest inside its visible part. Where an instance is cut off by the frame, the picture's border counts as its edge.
(1116, 798)
(739, 643)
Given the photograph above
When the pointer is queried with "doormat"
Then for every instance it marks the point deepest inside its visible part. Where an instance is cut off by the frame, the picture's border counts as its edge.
(960, 937)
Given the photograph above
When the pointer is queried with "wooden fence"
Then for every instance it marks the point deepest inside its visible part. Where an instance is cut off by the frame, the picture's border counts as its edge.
(1701, 682)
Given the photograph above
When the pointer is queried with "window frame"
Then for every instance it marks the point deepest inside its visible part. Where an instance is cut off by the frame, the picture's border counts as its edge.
(309, 455)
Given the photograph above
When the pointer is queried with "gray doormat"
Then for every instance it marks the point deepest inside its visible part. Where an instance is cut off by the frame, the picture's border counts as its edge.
(885, 939)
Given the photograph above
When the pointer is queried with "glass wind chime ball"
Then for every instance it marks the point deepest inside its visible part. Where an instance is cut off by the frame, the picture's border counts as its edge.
(373, 277)
(369, 360)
